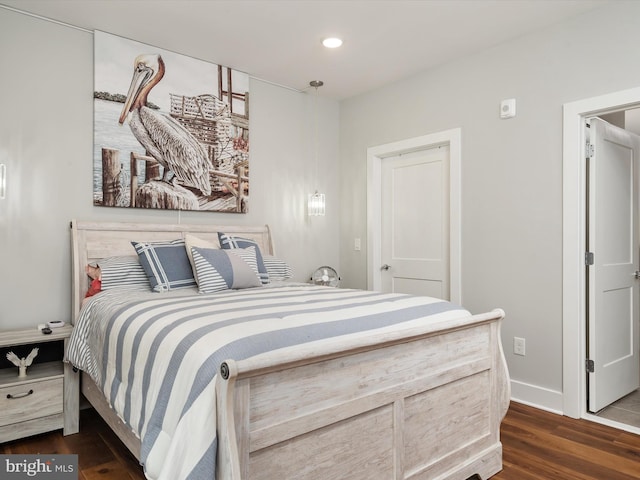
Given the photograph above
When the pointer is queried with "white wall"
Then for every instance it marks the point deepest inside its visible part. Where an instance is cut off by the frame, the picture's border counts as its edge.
(632, 120)
(511, 169)
(46, 141)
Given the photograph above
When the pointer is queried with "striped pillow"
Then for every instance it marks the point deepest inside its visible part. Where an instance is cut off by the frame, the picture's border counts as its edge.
(277, 269)
(122, 272)
(166, 264)
(218, 270)
(230, 242)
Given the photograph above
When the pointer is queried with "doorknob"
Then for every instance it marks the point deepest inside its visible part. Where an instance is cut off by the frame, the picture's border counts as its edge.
(636, 274)
(387, 267)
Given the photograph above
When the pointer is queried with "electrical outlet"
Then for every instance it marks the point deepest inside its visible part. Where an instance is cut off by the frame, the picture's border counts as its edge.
(518, 346)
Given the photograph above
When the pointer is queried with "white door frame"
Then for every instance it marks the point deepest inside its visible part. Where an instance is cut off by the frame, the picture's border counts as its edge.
(375, 155)
(573, 243)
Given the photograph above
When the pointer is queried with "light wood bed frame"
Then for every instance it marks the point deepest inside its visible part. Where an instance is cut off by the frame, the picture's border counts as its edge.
(424, 404)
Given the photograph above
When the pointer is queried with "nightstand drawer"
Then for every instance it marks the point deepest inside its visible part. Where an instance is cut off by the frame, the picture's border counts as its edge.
(30, 400)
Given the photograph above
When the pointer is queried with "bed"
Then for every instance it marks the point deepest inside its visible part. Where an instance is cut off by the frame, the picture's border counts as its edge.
(333, 383)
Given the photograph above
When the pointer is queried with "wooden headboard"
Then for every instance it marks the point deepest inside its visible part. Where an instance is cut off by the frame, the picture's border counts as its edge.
(93, 241)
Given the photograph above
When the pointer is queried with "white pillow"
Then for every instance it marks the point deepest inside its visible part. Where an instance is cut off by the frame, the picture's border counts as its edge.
(191, 241)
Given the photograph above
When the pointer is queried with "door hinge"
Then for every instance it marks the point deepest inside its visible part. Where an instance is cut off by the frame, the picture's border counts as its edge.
(590, 150)
(591, 367)
(588, 258)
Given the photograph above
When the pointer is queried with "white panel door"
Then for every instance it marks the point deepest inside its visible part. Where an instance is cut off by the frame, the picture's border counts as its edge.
(415, 223)
(612, 282)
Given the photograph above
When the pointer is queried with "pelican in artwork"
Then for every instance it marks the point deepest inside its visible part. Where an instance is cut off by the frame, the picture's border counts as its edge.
(163, 137)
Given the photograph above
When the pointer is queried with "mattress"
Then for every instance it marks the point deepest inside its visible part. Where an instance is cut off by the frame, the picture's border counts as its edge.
(156, 356)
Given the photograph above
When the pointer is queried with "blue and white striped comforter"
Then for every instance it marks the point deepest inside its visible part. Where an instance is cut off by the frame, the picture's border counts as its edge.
(156, 356)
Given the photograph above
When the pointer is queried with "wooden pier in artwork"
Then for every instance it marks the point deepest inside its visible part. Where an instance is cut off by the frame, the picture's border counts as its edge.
(155, 193)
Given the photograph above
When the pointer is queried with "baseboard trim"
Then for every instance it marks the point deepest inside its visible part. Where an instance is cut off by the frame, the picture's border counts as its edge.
(536, 396)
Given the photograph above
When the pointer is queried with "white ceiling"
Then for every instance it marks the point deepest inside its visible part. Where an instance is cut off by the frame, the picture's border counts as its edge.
(279, 40)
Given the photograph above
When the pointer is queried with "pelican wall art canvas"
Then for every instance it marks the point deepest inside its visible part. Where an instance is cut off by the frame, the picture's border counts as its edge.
(170, 131)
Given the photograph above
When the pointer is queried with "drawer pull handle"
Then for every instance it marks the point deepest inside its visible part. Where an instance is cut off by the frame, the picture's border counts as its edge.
(21, 395)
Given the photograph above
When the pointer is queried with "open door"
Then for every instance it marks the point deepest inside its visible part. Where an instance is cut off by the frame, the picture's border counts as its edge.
(613, 264)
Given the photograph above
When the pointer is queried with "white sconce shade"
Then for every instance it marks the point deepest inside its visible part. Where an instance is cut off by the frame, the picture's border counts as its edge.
(316, 205)
(3, 181)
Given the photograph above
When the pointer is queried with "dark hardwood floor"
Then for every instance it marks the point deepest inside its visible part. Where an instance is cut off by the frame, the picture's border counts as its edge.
(536, 445)
(542, 445)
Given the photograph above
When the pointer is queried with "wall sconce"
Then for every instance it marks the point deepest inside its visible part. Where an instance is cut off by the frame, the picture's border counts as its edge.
(3, 181)
(316, 204)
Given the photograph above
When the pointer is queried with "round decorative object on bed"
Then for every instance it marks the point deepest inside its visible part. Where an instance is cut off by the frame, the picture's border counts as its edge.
(326, 276)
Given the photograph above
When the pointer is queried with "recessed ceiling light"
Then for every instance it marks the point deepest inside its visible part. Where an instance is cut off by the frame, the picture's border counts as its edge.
(332, 42)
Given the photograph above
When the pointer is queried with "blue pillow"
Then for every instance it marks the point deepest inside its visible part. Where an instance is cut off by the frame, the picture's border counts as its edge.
(229, 242)
(166, 264)
(218, 270)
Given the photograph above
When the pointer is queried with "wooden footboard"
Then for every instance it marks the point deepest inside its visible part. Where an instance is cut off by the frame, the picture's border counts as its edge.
(425, 404)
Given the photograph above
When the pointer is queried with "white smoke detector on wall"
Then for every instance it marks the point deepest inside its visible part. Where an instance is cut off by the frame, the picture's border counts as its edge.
(508, 108)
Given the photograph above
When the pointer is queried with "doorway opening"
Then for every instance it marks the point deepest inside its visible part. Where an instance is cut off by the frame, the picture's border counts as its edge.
(574, 247)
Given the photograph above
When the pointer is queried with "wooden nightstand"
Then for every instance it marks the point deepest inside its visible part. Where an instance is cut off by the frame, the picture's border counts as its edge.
(46, 399)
